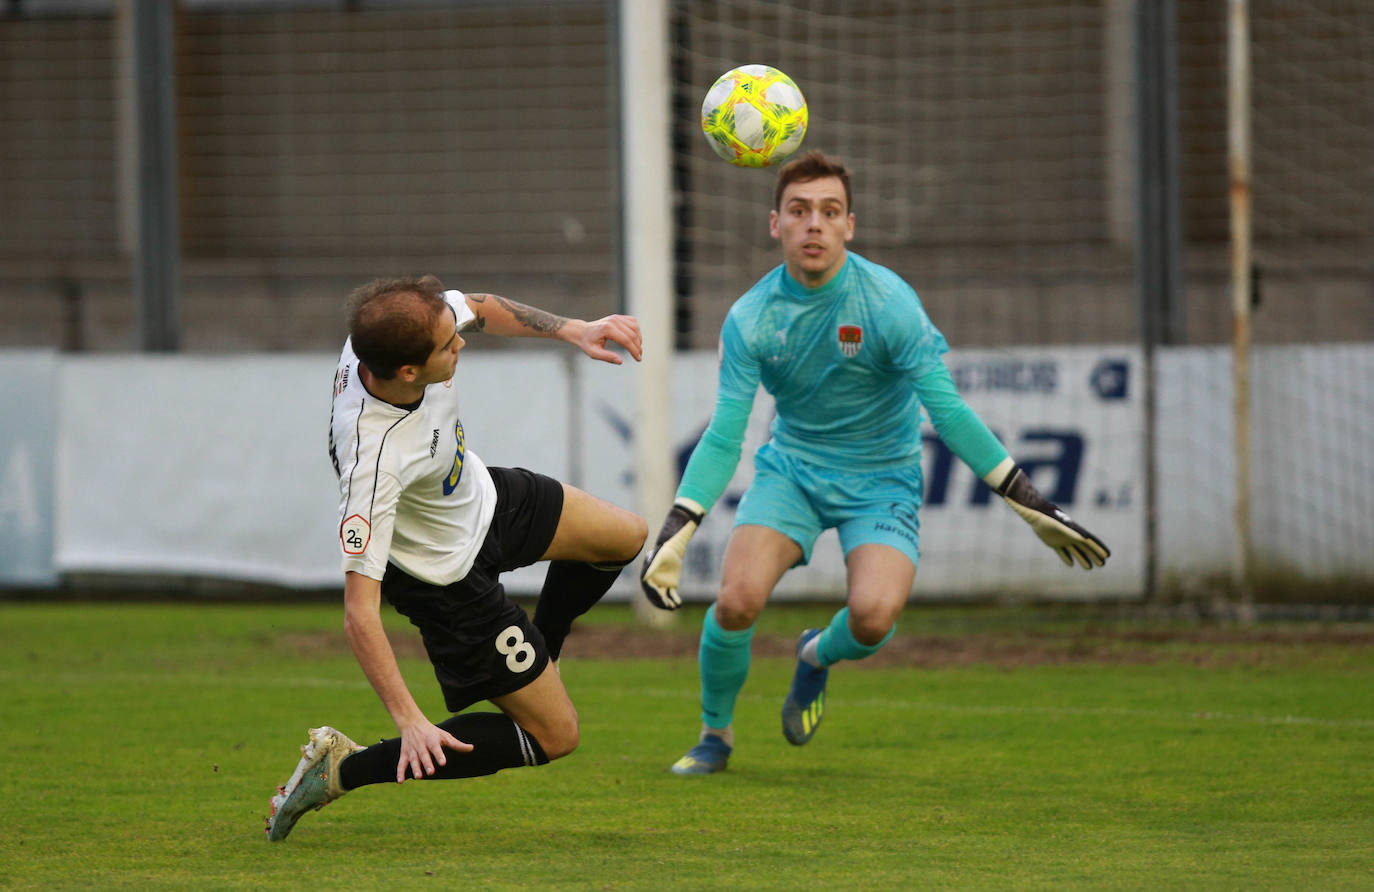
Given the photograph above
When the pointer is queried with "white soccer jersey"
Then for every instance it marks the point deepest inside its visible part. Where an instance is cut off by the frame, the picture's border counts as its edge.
(409, 490)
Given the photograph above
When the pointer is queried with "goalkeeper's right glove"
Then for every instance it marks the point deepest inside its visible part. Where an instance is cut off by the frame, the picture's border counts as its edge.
(1055, 528)
(662, 570)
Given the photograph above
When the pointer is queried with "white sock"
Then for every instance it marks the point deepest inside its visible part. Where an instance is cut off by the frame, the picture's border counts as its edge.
(726, 734)
(810, 651)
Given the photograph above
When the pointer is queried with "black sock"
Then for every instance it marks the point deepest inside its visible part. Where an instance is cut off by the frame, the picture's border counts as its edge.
(571, 588)
(497, 742)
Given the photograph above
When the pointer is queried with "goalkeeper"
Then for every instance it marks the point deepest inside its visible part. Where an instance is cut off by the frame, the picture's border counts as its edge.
(850, 357)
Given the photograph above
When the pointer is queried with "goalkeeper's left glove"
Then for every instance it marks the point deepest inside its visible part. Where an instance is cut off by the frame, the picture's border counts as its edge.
(1055, 528)
(662, 571)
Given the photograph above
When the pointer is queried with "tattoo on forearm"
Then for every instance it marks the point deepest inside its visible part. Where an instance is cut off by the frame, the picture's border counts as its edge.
(531, 318)
(478, 322)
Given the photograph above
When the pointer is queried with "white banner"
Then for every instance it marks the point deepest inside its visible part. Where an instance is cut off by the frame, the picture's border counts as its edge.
(218, 466)
(1312, 457)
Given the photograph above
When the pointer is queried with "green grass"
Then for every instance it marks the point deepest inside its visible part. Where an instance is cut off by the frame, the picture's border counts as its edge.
(141, 743)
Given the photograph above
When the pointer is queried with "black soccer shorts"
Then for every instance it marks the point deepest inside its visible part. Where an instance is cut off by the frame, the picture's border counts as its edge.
(482, 643)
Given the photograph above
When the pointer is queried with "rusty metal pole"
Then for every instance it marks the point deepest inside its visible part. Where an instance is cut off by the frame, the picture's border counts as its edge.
(1238, 130)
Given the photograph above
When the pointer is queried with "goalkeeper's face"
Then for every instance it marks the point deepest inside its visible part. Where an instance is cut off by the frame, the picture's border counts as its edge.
(813, 223)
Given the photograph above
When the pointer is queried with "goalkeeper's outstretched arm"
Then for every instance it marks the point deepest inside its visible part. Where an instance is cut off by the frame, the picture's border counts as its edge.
(969, 438)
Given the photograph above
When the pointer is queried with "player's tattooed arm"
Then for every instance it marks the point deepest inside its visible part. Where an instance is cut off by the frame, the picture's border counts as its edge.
(497, 315)
(478, 322)
(531, 318)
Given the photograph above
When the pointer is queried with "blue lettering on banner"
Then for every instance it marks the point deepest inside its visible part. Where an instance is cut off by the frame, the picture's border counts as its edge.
(1110, 379)
(1007, 375)
(456, 472)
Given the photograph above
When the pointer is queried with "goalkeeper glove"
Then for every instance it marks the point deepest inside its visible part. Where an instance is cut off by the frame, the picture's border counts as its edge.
(662, 570)
(1055, 528)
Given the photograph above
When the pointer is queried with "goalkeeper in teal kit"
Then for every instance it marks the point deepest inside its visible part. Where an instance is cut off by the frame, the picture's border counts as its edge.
(850, 358)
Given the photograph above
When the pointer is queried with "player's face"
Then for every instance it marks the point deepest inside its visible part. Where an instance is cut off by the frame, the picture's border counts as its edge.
(813, 223)
(447, 341)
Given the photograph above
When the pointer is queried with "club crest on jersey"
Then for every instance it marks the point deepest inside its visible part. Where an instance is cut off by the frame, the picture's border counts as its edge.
(354, 534)
(851, 339)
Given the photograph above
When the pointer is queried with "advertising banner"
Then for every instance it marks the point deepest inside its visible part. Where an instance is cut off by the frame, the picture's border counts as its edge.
(28, 434)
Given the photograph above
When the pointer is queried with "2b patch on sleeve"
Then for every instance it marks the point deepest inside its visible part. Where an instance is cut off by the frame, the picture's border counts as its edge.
(354, 534)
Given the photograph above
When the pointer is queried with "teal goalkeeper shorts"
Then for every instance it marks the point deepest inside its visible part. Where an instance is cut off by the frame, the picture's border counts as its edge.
(801, 500)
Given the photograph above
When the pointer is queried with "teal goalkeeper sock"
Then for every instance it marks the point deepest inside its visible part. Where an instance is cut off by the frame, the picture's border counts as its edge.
(724, 664)
(837, 643)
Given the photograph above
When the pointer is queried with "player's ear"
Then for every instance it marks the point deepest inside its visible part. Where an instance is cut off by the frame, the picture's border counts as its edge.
(849, 231)
(773, 223)
(408, 373)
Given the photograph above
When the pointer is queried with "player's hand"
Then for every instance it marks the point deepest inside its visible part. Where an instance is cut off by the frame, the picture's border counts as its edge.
(662, 570)
(422, 750)
(623, 330)
(1055, 528)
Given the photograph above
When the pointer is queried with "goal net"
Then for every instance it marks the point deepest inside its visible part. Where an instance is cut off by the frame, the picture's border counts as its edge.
(994, 155)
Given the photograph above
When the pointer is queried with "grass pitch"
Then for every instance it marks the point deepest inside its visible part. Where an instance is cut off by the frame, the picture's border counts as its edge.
(1046, 750)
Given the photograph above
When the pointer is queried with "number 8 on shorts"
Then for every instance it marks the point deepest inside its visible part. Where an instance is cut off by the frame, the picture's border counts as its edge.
(518, 652)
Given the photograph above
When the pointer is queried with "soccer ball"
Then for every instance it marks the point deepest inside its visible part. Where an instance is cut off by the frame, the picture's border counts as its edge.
(754, 116)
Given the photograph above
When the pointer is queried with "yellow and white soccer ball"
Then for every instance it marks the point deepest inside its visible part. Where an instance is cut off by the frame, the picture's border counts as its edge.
(754, 116)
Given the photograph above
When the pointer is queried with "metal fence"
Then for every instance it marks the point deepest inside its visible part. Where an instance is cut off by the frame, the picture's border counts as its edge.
(995, 147)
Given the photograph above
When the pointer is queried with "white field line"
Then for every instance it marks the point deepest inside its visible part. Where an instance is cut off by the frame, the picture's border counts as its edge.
(1208, 715)
(885, 704)
(150, 680)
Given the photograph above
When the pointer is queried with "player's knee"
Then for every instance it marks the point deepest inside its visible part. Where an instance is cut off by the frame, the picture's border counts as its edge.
(561, 746)
(734, 612)
(559, 735)
(870, 628)
(623, 539)
(635, 537)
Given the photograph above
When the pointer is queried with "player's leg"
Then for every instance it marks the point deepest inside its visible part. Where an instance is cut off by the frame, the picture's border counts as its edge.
(875, 516)
(775, 529)
(537, 724)
(483, 647)
(593, 542)
(755, 559)
(879, 581)
(545, 710)
(497, 657)
(592, 529)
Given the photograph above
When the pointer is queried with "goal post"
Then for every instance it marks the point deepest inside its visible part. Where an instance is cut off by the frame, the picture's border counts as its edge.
(646, 240)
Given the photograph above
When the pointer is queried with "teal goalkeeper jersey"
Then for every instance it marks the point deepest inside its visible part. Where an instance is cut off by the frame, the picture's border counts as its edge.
(849, 366)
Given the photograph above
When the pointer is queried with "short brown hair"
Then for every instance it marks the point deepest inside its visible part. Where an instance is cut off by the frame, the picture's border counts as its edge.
(391, 322)
(814, 165)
